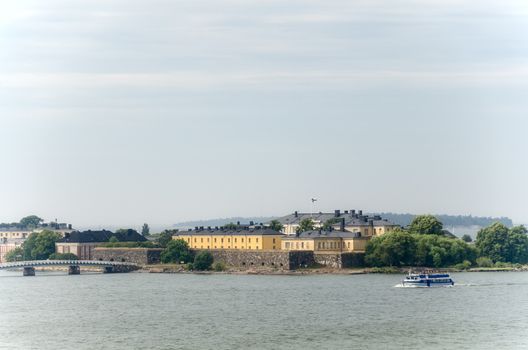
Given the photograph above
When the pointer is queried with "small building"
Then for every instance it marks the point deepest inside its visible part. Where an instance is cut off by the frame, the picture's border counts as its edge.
(241, 238)
(318, 241)
(83, 243)
(19, 232)
(365, 225)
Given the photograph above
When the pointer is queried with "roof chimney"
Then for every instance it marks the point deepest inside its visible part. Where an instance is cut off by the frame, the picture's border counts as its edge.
(296, 214)
(353, 212)
(360, 212)
(337, 213)
(342, 225)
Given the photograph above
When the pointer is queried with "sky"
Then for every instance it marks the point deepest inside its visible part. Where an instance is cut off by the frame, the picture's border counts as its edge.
(117, 112)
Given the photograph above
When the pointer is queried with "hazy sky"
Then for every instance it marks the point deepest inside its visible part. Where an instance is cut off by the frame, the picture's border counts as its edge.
(124, 112)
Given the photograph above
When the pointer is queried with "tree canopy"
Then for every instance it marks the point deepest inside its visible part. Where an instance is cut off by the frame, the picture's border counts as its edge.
(40, 245)
(402, 248)
(305, 225)
(426, 225)
(30, 221)
(145, 230)
(203, 261)
(467, 238)
(276, 225)
(502, 244)
(177, 251)
(14, 255)
(165, 237)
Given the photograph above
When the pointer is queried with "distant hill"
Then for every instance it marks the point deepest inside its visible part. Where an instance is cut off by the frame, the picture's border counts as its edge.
(223, 221)
(400, 219)
(449, 220)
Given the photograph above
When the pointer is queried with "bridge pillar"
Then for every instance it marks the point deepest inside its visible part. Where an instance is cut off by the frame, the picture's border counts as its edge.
(74, 270)
(29, 271)
(108, 269)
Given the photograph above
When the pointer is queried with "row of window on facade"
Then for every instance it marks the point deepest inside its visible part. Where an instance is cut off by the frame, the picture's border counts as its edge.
(13, 234)
(320, 245)
(222, 247)
(228, 240)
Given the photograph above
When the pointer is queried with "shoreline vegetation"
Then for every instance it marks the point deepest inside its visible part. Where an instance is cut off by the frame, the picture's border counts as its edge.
(182, 269)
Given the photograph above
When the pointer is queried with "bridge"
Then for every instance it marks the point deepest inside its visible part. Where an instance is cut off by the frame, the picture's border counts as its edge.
(74, 266)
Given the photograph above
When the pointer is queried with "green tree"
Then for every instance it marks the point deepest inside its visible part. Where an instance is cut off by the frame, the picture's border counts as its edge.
(501, 244)
(467, 238)
(177, 251)
(426, 225)
(30, 221)
(203, 261)
(113, 239)
(165, 237)
(329, 224)
(231, 226)
(15, 255)
(276, 225)
(392, 249)
(401, 248)
(305, 225)
(145, 230)
(39, 246)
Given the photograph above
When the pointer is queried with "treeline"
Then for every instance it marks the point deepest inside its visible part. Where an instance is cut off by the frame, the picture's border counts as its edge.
(27, 222)
(422, 243)
(449, 220)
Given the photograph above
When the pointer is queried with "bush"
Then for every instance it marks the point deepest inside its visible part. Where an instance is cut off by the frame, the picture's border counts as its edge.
(484, 261)
(463, 265)
(63, 256)
(219, 266)
(189, 267)
(203, 261)
(177, 251)
(501, 265)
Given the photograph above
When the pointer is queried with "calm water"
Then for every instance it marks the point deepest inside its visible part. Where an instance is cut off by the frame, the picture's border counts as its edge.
(162, 311)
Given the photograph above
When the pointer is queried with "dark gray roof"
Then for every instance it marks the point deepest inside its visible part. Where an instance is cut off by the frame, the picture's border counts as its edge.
(325, 234)
(227, 232)
(351, 219)
(101, 236)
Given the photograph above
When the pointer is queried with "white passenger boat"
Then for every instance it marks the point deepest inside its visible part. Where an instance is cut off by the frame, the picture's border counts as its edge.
(428, 280)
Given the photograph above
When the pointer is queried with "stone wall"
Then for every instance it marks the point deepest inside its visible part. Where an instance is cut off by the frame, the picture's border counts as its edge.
(283, 260)
(141, 256)
(340, 260)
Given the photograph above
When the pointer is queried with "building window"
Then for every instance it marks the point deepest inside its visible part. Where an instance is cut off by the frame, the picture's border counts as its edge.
(215, 240)
(221, 240)
(256, 239)
(348, 244)
(249, 240)
(273, 240)
(201, 240)
(242, 240)
(302, 245)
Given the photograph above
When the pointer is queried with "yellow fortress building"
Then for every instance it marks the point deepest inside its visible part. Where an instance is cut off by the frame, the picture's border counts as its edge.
(354, 221)
(241, 238)
(320, 241)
